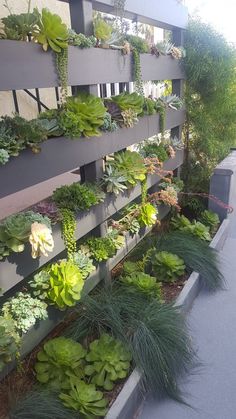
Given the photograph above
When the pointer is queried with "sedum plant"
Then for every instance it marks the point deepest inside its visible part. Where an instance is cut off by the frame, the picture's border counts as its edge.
(51, 32)
(59, 359)
(210, 219)
(25, 311)
(4, 156)
(85, 399)
(80, 40)
(166, 266)
(99, 248)
(66, 284)
(9, 341)
(84, 263)
(108, 124)
(108, 360)
(76, 197)
(40, 284)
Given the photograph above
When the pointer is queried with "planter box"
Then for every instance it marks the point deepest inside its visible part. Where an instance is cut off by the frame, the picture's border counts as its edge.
(37, 333)
(60, 155)
(25, 65)
(20, 265)
(132, 394)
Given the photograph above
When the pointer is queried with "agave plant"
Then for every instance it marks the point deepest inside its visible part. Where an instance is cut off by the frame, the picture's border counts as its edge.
(172, 101)
(164, 47)
(166, 266)
(59, 359)
(51, 31)
(85, 399)
(108, 361)
(113, 181)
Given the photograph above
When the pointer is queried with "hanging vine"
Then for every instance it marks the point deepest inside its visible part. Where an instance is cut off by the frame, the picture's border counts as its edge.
(68, 231)
(137, 72)
(62, 71)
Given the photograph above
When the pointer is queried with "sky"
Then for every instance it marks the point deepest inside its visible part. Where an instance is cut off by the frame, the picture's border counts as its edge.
(220, 13)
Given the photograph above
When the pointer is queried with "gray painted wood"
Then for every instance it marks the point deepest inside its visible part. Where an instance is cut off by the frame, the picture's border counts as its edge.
(26, 66)
(20, 265)
(60, 155)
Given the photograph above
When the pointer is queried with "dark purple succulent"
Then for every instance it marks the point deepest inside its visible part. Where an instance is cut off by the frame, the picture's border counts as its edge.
(49, 209)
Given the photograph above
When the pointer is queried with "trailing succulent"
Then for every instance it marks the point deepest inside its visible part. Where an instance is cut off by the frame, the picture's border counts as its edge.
(9, 341)
(85, 399)
(166, 266)
(108, 361)
(135, 278)
(59, 359)
(66, 284)
(15, 231)
(25, 311)
(77, 197)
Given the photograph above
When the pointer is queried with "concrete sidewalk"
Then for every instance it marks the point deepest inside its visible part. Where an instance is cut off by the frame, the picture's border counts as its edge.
(212, 390)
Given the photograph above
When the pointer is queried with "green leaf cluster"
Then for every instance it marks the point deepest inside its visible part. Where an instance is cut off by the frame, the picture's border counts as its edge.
(59, 359)
(40, 284)
(153, 148)
(4, 156)
(84, 263)
(25, 311)
(210, 219)
(19, 27)
(15, 230)
(130, 165)
(140, 281)
(77, 197)
(140, 44)
(9, 341)
(99, 248)
(166, 266)
(180, 222)
(83, 115)
(147, 215)
(66, 284)
(132, 101)
(102, 30)
(108, 361)
(80, 40)
(86, 399)
(51, 31)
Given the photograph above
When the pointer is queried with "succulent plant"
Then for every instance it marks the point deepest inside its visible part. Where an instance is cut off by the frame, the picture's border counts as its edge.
(80, 40)
(210, 219)
(48, 209)
(9, 341)
(164, 47)
(166, 266)
(85, 399)
(144, 283)
(16, 229)
(180, 222)
(77, 196)
(153, 148)
(51, 32)
(130, 165)
(4, 156)
(19, 26)
(109, 361)
(99, 248)
(149, 106)
(25, 311)
(108, 124)
(176, 53)
(4, 250)
(138, 43)
(147, 215)
(102, 30)
(40, 284)
(113, 110)
(66, 284)
(58, 360)
(172, 101)
(113, 181)
(129, 117)
(84, 263)
(132, 101)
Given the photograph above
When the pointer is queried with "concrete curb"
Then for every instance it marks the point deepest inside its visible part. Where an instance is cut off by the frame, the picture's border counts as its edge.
(132, 394)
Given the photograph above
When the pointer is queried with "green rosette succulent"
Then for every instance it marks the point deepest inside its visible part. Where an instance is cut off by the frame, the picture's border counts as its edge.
(60, 359)
(66, 284)
(130, 165)
(51, 32)
(4, 156)
(166, 266)
(147, 214)
(85, 399)
(196, 228)
(9, 341)
(15, 230)
(84, 263)
(19, 26)
(210, 219)
(102, 30)
(127, 101)
(109, 361)
(144, 283)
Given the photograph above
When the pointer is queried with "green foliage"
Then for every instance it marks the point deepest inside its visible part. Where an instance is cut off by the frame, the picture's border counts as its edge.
(155, 333)
(197, 255)
(129, 101)
(85, 399)
(15, 229)
(166, 266)
(108, 124)
(140, 44)
(210, 95)
(210, 219)
(113, 181)
(180, 222)
(99, 248)
(19, 26)
(68, 231)
(102, 30)
(108, 361)
(83, 115)
(80, 40)
(149, 106)
(4, 156)
(76, 197)
(62, 71)
(130, 165)
(42, 403)
(9, 341)
(129, 118)
(51, 31)
(172, 101)
(136, 279)
(164, 47)
(58, 360)
(152, 148)
(25, 311)
(66, 284)
(40, 284)
(137, 73)
(84, 263)
(147, 214)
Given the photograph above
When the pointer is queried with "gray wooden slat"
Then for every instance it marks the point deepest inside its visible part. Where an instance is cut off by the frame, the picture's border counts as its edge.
(60, 155)
(20, 265)
(26, 66)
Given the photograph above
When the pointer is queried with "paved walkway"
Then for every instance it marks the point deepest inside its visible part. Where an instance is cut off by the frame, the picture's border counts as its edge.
(212, 390)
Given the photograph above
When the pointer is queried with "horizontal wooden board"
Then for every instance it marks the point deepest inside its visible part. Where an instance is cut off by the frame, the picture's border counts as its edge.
(26, 66)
